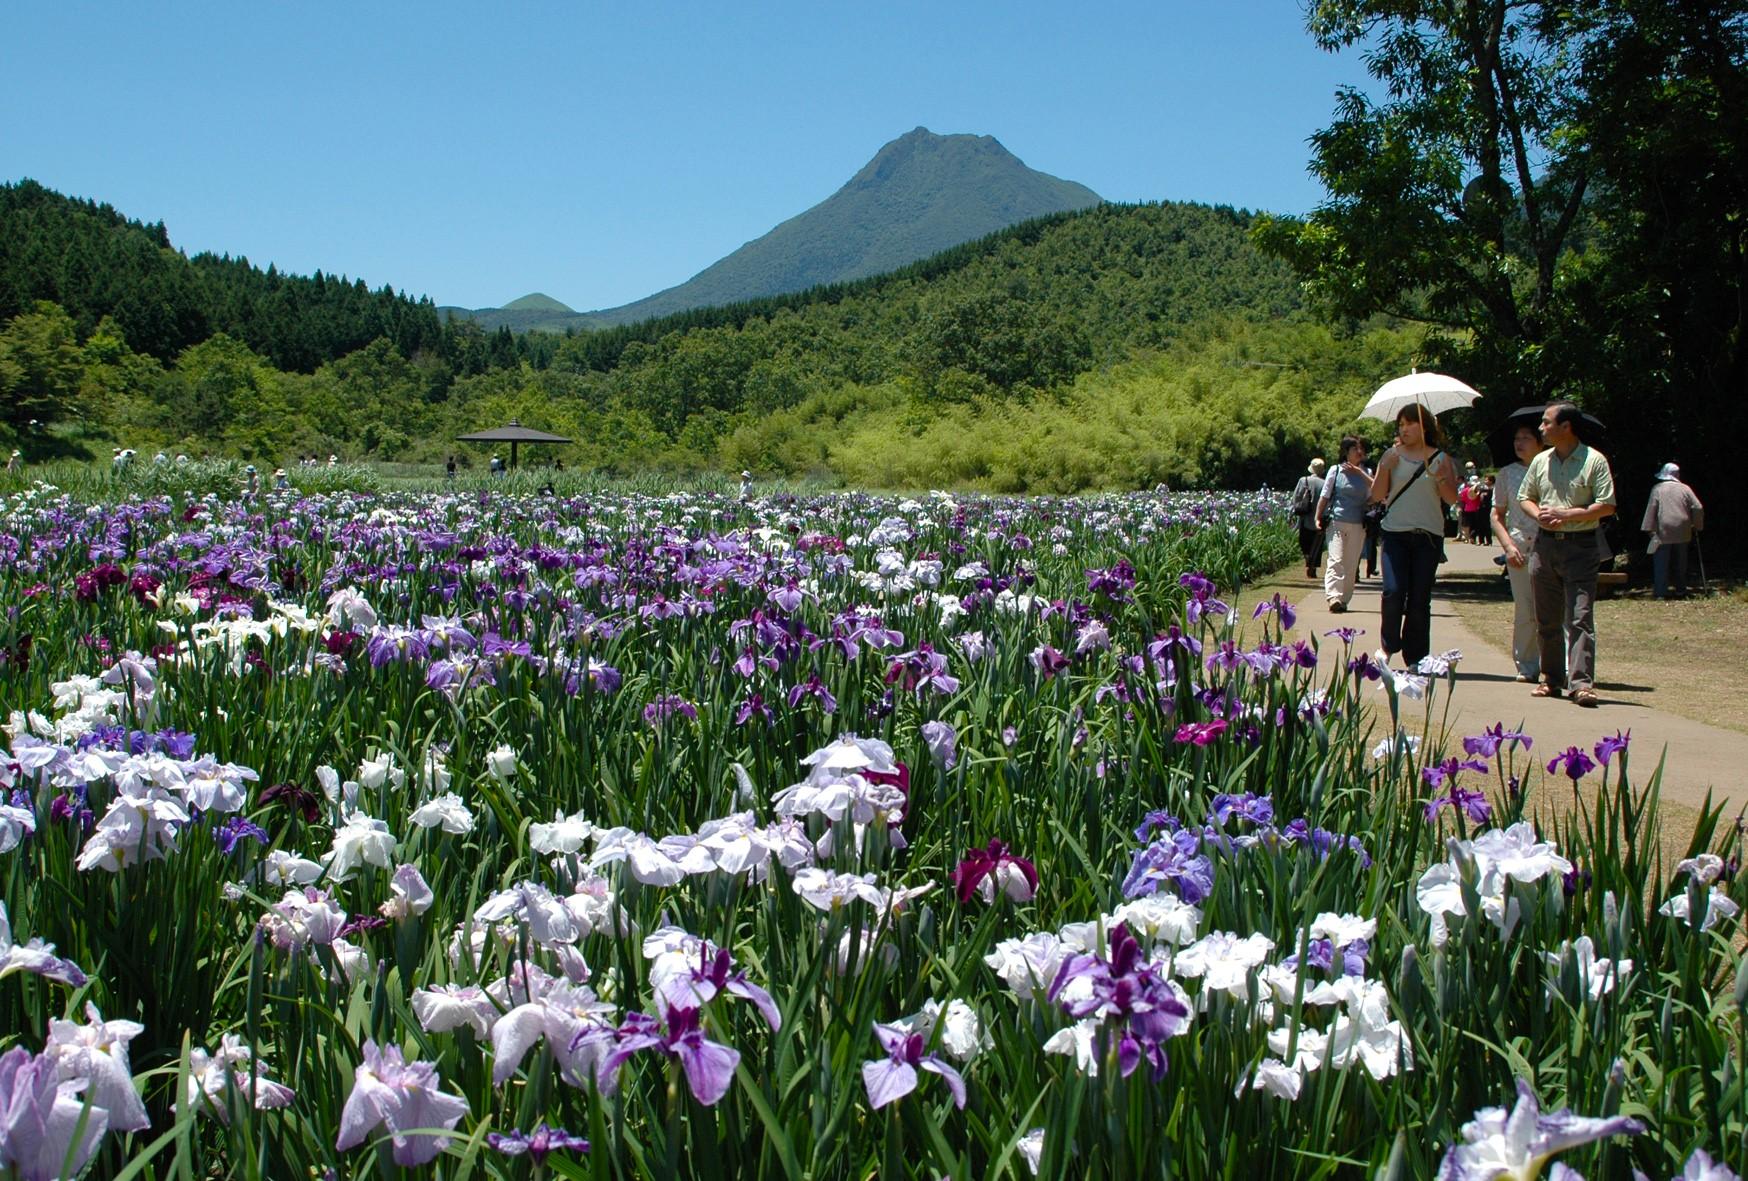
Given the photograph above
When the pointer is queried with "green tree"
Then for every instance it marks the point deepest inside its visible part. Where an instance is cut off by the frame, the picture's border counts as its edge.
(41, 368)
(1453, 199)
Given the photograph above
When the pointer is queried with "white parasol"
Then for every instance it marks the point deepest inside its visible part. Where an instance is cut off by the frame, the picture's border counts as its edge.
(1435, 391)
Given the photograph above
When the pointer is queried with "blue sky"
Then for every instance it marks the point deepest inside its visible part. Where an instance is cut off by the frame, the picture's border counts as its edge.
(601, 152)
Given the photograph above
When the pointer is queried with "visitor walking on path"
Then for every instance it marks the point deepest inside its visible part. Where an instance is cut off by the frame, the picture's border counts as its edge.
(1305, 494)
(1706, 761)
(1469, 505)
(1568, 489)
(1672, 516)
(1413, 528)
(1516, 531)
(1342, 508)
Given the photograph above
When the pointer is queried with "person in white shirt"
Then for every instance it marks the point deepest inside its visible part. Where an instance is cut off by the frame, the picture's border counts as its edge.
(1516, 531)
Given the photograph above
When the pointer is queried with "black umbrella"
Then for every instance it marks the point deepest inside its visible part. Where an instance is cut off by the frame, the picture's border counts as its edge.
(1590, 430)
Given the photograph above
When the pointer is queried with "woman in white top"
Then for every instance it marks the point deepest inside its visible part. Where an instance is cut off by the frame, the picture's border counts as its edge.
(1516, 531)
(1416, 479)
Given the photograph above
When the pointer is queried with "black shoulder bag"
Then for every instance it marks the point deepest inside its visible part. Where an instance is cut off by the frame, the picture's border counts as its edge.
(1378, 510)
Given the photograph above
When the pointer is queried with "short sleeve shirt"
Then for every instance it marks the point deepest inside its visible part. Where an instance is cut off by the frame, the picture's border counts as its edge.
(1346, 495)
(1578, 481)
(1518, 523)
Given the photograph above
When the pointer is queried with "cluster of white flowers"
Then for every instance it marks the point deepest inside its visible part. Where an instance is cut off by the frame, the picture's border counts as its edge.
(838, 787)
(1489, 864)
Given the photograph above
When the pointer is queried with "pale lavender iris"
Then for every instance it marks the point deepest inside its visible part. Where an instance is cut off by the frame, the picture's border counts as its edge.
(1518, 1143)
(943, 743)
(41, 1124)
(891, 1078)
(403, 1096)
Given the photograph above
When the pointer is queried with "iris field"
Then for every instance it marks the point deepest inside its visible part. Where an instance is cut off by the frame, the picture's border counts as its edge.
(464, 834)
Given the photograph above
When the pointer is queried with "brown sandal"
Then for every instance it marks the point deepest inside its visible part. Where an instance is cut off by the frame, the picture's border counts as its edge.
(1585, 697)
(1542, 690)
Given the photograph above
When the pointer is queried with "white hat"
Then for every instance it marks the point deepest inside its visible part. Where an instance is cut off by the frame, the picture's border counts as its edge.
(1471, 463)
(1667, 472)
(1316, 465)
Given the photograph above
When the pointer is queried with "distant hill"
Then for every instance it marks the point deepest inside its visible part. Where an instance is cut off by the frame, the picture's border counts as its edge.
(537, 302)
(920, 194)
(97, 263)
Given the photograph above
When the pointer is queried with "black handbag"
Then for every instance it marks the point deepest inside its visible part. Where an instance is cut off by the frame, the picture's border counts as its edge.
(1377, 510)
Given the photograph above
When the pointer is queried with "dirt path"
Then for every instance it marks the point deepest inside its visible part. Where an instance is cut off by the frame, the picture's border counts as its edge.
(1699, 757)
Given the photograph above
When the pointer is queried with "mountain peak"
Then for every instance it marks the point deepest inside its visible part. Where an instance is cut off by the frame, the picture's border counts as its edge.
(920, 194)
(536, 301)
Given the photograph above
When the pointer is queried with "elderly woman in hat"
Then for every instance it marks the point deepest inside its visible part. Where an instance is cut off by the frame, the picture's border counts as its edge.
(1306, 494)
(1672, 516)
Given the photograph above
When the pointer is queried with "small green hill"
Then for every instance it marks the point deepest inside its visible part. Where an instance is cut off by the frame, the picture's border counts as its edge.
(537, 302)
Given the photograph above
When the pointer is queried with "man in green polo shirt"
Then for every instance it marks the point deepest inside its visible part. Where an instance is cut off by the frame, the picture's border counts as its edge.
(1568, 490)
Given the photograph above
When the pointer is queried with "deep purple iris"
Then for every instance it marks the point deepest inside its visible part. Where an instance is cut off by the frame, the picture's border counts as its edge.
(1130, 995)
(1578, 764)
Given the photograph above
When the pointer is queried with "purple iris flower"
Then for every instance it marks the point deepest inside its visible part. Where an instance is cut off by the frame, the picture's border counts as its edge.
(1173, 637)
(1578, 764)
(1159, 819)
(665, 707)
(1247, 806)
(1472, 804)
(1201, 733)
(921, 670)
(788, 597)
(1437, 775)
(392, 644)
(1175, 860)
(1487, 743)
(714, 973)
(1127, 991)
(1202, 601)
(1608, 748)
(235, 829)
(538, 1144)
(1363, 666)
(815, 688)
(1115, 583)
(1280, 608)
(1048, 661)
(751, 706)
(891, 1078)
(1347, 635)
(709, 1067)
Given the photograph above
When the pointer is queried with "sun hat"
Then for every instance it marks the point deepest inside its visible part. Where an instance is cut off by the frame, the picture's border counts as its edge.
(1668, 472)
(1316, 465)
